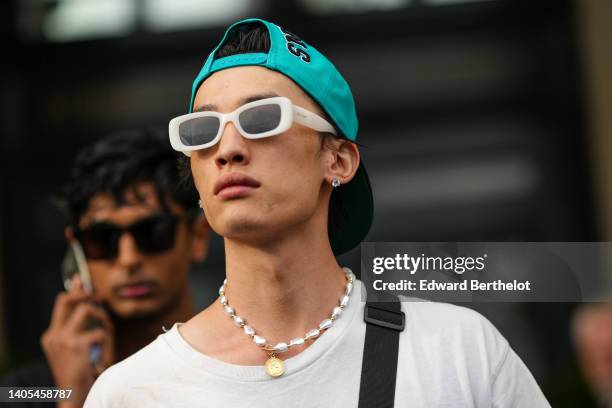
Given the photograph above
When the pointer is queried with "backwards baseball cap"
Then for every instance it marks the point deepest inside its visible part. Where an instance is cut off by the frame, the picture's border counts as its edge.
(319, 78)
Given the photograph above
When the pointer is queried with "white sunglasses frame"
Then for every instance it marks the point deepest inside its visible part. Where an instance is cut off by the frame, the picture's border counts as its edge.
(289, 113)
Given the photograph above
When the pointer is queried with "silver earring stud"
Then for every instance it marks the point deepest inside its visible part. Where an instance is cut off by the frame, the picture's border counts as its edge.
(200, 204)
(335, 182)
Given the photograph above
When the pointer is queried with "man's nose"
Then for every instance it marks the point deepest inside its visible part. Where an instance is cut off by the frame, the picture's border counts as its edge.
(129, 255)
(233, 148)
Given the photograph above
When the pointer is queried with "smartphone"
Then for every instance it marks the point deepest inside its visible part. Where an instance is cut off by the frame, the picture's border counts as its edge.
(74, 263)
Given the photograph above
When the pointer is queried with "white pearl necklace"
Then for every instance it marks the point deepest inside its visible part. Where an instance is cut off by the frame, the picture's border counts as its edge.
(275, 366)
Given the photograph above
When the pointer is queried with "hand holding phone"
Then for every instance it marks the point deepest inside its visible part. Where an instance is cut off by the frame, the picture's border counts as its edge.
(74, 264)
(80, 331)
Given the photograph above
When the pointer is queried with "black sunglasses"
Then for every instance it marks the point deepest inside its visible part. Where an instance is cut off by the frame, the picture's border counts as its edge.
(153, 235)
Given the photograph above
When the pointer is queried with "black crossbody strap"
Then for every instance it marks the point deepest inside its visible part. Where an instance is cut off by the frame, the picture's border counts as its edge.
(385, 321)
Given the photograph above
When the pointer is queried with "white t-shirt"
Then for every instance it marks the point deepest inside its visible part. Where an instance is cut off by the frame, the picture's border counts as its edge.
(449, 356)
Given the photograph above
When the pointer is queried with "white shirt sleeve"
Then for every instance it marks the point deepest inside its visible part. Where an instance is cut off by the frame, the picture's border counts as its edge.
(514, 385)
(102, 393)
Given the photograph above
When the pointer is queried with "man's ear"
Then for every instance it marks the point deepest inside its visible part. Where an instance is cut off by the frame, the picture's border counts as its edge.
(345, 162)
(69, 234)
(200, 238)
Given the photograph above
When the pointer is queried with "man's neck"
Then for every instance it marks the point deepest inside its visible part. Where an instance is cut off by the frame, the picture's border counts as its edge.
(133, 334)
(285, 289)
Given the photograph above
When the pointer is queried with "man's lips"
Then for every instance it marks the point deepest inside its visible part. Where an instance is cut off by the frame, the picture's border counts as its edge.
(137, 289)
(234, 185)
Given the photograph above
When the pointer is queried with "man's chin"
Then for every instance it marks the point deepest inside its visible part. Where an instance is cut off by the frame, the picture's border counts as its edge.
(135, 310)
(248, 222)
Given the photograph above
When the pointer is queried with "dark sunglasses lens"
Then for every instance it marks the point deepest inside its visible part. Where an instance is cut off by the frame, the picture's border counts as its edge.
(99, 241)
(155, 234)
(197, 131)
(260, 119)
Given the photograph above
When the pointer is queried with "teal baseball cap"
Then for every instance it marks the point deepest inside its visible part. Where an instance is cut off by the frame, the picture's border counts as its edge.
(318, 77)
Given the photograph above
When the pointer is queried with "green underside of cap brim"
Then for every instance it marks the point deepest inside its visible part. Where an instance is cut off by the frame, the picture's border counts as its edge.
(356, 215)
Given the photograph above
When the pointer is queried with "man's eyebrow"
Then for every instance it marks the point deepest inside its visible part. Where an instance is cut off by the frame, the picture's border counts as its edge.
(252, 98)
(207, 107)
(257, 97)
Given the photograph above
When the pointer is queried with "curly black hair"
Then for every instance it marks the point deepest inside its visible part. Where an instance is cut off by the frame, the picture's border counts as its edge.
(117, 163)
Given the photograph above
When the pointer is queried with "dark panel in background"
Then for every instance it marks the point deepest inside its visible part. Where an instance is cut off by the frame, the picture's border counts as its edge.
(470, 126)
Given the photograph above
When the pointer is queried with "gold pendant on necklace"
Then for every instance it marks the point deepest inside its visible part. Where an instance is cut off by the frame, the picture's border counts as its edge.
(275, 367)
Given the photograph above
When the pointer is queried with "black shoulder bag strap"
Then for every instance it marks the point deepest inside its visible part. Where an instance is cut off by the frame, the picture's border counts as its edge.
(385, 320)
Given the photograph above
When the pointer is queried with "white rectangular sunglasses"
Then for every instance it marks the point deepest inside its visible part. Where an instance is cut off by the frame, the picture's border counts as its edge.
(254, 120)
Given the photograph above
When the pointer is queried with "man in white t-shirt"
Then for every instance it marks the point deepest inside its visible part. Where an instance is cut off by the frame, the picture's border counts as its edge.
(270, 135)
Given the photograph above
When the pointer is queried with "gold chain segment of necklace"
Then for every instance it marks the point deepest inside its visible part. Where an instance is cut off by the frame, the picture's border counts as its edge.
(275, 367)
